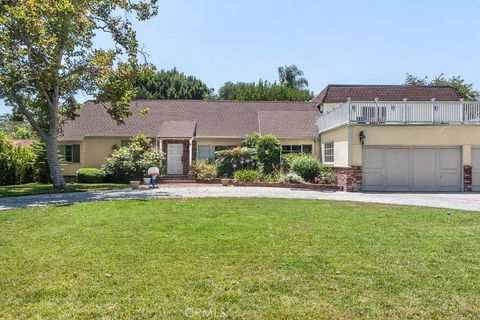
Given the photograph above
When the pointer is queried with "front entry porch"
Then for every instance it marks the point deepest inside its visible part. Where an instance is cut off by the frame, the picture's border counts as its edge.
(179, 156)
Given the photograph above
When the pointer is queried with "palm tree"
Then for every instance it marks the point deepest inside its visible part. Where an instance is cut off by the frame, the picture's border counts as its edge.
(291, 76)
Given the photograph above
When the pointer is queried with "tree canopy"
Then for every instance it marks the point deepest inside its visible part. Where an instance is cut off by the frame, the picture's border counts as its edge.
(169, 84)
(292, 77)
(292, 86)
(47, 56)
(465, 90)
(262, 91)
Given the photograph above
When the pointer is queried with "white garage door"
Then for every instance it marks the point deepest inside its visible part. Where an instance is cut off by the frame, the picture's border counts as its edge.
(412, 169)
(476, 169)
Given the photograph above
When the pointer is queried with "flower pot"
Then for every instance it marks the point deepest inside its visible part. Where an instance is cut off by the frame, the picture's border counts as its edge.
(135, 184)
(225, 182)
(146, 181)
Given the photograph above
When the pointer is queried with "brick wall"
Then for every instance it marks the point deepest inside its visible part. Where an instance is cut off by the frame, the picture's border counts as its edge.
(467, 178)
(186, 168)
(349, 178)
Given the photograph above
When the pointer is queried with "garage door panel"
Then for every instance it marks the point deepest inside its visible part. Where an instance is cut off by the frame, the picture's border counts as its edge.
(476, 169)
(423, 170)
(413, 169)
(373, 159)
(397, 169)
(449, 159)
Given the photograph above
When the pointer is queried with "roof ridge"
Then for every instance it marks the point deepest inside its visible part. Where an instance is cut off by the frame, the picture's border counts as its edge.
(387, 85)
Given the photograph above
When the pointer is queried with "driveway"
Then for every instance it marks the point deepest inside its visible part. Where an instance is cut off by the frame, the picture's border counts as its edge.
(461, 201)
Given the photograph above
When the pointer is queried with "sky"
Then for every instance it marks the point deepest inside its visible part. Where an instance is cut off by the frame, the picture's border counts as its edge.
(333, 42)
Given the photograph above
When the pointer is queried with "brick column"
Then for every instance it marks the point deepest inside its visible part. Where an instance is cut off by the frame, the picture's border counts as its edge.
(349, 178)
(467, 178)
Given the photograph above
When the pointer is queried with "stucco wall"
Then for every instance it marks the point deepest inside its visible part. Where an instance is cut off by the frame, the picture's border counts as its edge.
(339, 137)
(465, 136)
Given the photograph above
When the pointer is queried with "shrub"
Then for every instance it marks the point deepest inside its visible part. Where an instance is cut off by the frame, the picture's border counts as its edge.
(204, 170)
(16, 162)
(90, 175)
(132, 162)
(306, 167)
(291, 177)
(288, 158)
(251, 140)
(268, 153)
(238, 158)
(247, 175)
(327, 175)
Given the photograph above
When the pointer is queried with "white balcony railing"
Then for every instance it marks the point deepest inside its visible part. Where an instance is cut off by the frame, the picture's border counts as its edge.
(401, 112)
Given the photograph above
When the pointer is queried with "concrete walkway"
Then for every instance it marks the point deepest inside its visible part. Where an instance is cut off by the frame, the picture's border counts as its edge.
(462, 201)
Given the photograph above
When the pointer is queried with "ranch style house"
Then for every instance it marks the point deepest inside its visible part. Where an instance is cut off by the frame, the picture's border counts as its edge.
(376, 137)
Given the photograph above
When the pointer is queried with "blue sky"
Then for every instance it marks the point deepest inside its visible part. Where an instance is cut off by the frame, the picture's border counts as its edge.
(341, 41)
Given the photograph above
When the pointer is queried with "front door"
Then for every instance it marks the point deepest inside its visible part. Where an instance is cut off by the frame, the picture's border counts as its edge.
(174, 158)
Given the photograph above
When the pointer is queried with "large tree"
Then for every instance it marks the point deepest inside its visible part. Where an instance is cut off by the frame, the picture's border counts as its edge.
(292, 77)
(262, 91)
(170, 84)
(47, 56)
(464, 90)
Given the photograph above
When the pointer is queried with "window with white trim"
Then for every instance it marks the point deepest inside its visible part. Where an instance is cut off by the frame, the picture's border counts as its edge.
(328, 152)
(297, 148)
(70, 153)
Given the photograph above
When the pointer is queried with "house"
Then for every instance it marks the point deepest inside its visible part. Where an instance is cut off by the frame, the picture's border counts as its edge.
(187, 130)
(400, 138)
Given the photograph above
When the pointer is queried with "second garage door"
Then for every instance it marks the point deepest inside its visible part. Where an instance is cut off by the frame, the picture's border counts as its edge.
(411, 169)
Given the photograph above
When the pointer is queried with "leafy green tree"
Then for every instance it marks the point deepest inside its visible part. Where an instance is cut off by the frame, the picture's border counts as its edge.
(262, 91)
(169, 84)
(47, 56)
(251, 140)
(464, 90)
(292, 77)
(268, 153)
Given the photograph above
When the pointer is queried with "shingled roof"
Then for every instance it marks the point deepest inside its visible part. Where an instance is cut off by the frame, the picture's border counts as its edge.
(335, 93)
(196, 117)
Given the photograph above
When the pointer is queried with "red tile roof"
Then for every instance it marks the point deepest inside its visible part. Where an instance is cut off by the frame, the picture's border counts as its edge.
(334, 93)
(212, 118)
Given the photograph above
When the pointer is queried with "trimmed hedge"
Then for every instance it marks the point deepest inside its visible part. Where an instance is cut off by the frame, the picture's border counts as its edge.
(90, 175)
(306, 167)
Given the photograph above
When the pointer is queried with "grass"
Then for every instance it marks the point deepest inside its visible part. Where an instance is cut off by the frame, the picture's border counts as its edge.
(239, 258)
(42, 188)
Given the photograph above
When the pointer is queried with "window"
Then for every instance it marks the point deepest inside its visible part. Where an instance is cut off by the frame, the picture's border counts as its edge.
(208, 152)
(205, 153)
(70, 152)
(125, 143)
(305, 148)
(328, 152)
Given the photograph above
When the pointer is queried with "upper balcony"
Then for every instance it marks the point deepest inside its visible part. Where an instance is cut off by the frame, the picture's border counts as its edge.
(401, 112)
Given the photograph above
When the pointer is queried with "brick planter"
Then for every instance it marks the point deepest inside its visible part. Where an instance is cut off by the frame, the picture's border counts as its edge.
(349, 178)
(467, 178)
(309, 186)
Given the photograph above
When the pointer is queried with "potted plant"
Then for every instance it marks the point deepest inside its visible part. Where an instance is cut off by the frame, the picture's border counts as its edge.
(135, 184)
(225, 181)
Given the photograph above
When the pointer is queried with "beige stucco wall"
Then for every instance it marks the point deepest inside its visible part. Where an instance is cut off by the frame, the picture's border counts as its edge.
(465, 136)
(93, 152)
(339, 137)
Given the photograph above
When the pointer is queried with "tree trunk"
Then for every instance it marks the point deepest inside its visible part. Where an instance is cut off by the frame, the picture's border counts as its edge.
(54, 165)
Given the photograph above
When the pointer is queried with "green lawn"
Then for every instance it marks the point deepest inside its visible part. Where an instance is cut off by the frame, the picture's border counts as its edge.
(41, 188)
(239, 258)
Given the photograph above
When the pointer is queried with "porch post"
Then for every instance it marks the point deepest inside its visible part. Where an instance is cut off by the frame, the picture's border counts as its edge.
(190, 152)
(160, 144)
